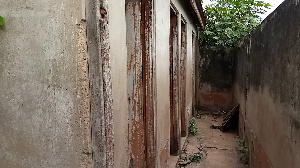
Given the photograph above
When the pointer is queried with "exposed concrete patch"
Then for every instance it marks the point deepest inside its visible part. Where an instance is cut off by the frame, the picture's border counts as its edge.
(83, 96)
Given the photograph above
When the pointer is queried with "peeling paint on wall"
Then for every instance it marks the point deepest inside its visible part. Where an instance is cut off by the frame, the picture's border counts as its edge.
(135, 84)
(140, 83)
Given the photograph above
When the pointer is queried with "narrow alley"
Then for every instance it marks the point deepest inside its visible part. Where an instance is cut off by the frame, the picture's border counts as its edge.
(212, 147)
(130, 84)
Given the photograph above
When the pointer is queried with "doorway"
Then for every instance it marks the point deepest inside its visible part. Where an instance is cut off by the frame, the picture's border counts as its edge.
(174, 83)
(183, 57)
(141, 133)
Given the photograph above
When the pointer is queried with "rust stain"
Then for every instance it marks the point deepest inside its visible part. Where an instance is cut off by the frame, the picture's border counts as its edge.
(174, 86)
(135, 84)
(103, 12)
(164, 156)
(148, 62)
(140, 83)
(183, 57)
(258, 157)
(216, 98)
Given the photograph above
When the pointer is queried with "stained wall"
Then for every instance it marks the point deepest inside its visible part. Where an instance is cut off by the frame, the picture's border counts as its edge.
(214, 78)
(45, 82)
(162, 31)
(267, 88)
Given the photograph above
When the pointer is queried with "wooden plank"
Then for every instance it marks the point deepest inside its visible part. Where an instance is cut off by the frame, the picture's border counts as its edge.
(229, 121)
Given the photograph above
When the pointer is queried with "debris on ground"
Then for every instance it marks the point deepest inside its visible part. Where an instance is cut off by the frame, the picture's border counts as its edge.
(211, 148)
(230, 121)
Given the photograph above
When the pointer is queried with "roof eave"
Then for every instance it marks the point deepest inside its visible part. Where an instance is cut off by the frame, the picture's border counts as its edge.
(198, 13)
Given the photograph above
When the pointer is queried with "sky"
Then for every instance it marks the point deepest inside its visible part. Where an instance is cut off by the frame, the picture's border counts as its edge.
(274, 3)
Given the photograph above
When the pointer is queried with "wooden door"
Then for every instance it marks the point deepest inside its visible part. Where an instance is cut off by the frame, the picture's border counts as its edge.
(174, 82)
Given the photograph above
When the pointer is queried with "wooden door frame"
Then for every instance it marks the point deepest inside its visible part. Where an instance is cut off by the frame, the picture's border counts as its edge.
(149, 59)
(183, 70)
(174, 83)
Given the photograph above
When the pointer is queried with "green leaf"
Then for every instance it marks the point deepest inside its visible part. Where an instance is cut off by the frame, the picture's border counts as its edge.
(1, 21)
(228, 21)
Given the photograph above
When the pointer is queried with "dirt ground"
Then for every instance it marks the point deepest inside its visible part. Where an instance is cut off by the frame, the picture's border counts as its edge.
(220, 150)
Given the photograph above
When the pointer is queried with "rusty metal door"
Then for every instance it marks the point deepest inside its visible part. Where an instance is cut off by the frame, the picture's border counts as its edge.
(174, 83)
(140, 83)
(135, 84)
(183, 57)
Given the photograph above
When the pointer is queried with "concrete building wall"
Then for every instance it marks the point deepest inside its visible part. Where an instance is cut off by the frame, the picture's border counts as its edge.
(162, 32)
(267, 89)
(190, 66)
(44, 102)
(118, 53)
(191, 27)
(48, 91)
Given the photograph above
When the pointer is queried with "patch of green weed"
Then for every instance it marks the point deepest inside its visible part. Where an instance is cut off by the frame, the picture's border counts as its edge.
(192, 126)
(244, 149)
(196, 157)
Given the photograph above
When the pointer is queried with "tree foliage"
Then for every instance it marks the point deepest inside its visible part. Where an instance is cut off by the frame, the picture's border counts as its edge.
(230, 20)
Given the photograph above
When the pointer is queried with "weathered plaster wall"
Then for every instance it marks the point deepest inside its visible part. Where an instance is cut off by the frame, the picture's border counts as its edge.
(46, 93)
(190, 65)
(191, 27)
(214, 79)
(162, 31)
(44, 120)
(118, 53)
(267, 88)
